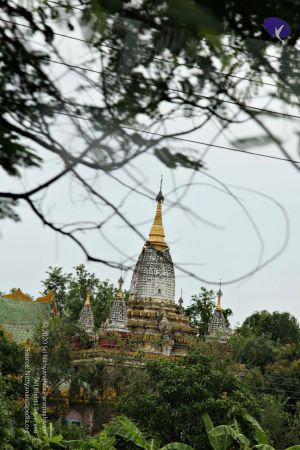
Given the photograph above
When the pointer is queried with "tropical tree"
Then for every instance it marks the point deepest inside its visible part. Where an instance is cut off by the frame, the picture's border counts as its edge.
(280, 327)
(253, 350)
(114, 435)
(122, 430)
(64, 379)
(223, 436)
(177, 393)
(278, 422)
(282, 378)
(45, 437)
(71, 290)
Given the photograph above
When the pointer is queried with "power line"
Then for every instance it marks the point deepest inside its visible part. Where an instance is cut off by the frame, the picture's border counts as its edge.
(119, 18)
(174, 137)
(158, 59)
(269, 111)
(177, 90)
(189, 140)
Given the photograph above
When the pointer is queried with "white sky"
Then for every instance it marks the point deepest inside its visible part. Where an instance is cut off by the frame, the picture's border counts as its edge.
(28, 248)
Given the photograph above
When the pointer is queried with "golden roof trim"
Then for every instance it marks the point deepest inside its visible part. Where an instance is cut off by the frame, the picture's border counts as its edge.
(18, 295)
(50, 299)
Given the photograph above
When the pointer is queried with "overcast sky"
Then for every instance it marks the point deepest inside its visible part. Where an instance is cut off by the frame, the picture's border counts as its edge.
(227, 249)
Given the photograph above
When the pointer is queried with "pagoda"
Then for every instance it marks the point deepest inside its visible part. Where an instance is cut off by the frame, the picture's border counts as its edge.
(217, 326)
(156, 323)
(86, 316)
(117, 321)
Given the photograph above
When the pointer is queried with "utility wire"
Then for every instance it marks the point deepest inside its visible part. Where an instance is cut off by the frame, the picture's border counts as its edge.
(294, 116)
(269, 111)
(158, 59)
(188, 140)
(173, 137)
(119, 18)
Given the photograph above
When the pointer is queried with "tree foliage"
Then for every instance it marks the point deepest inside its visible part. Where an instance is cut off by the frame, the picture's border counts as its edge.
(253, 350)
(201, 309)
(178, 393)
(71, 290)
(280, 327)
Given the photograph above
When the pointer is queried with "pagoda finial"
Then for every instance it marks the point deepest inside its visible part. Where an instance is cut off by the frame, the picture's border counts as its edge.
(88, 298)
(157, 233)
(219, 294)
(160, 197)
(120, 292)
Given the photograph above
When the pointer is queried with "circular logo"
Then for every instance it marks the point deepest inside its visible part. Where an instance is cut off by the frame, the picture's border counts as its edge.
(277, 27)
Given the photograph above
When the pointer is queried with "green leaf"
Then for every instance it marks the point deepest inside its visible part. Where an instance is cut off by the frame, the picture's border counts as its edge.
(7, 211)
(221, 437)
(177, 446)
(126, 429)
(264, 447)
(259, 432)
(82, 445)
(207, 422)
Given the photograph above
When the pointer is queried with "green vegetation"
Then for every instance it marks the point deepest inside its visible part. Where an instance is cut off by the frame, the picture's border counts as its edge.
(255, 373)
(280, 327)
(122, 433)
(71, 289)
(176, 394)
(201, 310)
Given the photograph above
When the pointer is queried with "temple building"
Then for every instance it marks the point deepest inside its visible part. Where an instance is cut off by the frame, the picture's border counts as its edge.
(86, 317)
(153, 315)
(150, 317)
(117, 321)
(217, 327)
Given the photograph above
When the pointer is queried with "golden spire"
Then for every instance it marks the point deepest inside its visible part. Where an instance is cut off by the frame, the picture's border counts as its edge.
(157, 234)
(120, 292)
(219, 294)
(88, 298)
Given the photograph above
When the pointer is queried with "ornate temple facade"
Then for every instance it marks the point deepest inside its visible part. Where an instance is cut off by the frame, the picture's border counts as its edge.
(153, 315)
(150, 318)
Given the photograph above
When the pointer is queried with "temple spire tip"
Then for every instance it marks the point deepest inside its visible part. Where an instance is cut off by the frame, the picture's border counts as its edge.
(219, 294)
(88, 298)
(160, 197)
(157, 233)
(120, 291)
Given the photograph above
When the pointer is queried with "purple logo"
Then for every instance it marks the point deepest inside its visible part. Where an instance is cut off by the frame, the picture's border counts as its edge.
(277, 27)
